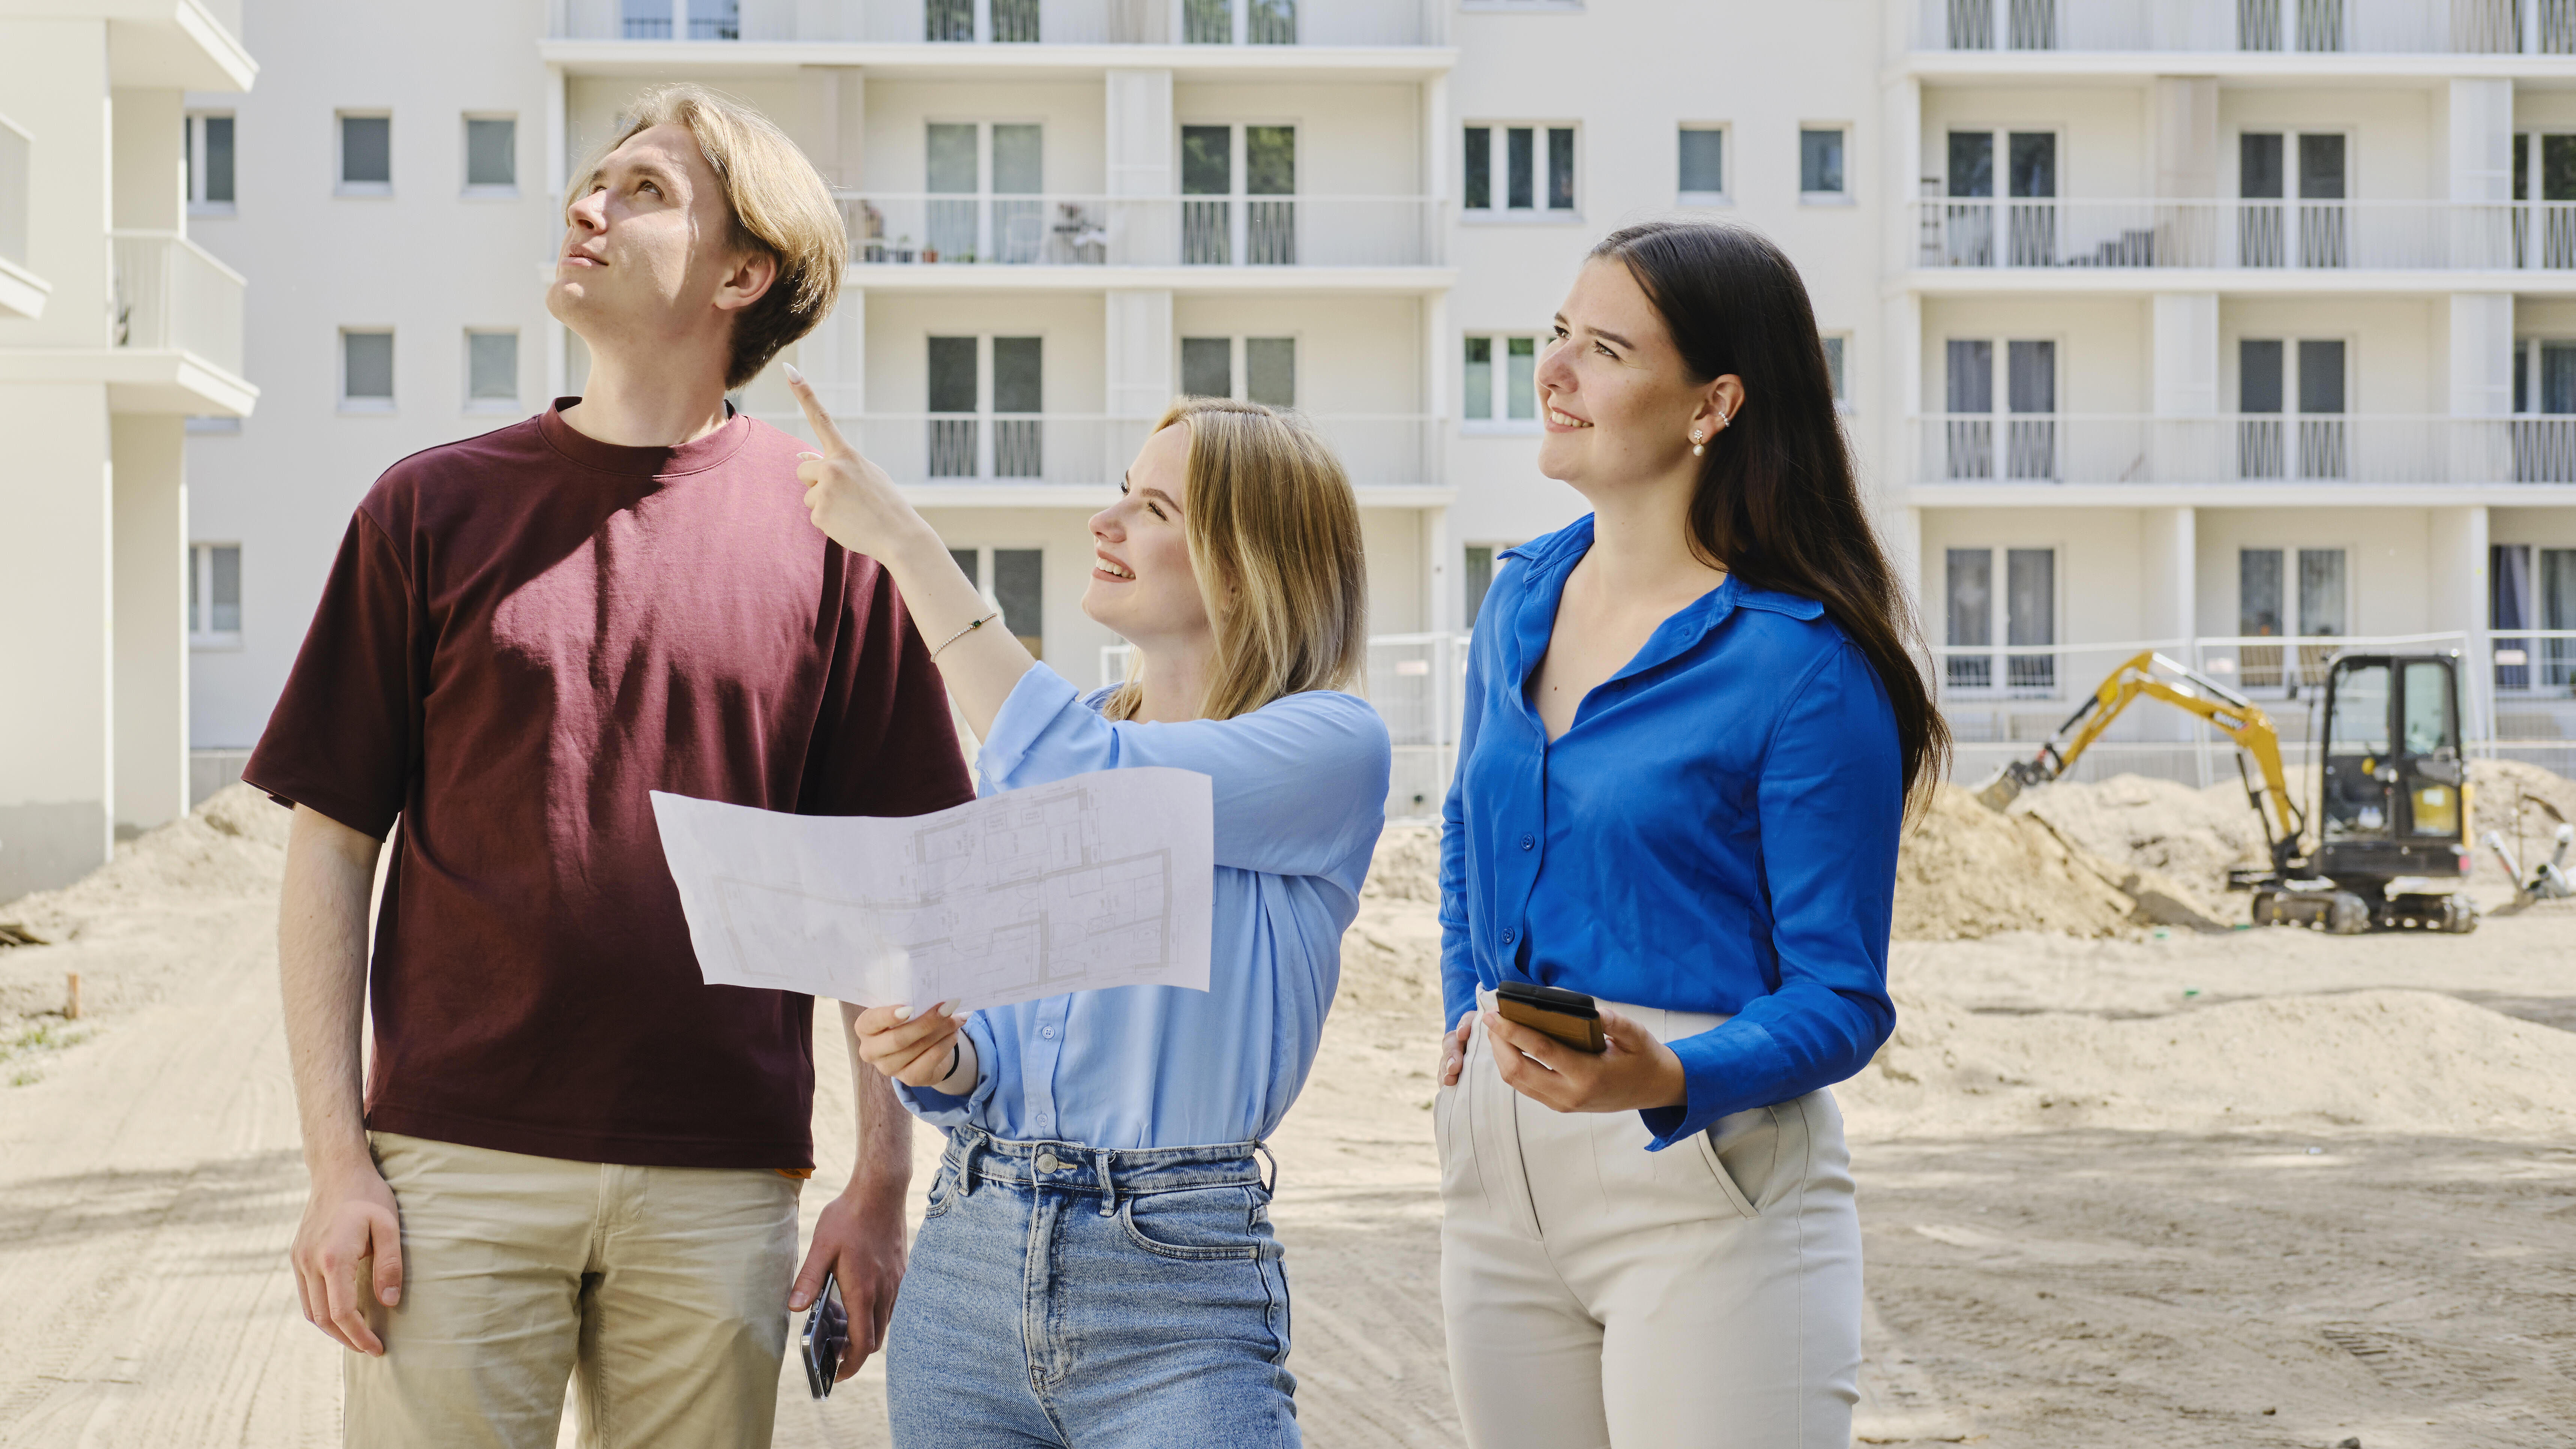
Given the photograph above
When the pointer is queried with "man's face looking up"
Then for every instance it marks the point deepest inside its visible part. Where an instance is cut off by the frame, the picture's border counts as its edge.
(648, 253)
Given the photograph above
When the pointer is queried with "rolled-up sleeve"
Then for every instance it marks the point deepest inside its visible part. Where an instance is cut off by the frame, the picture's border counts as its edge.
(1298, 783)
(1831, 801)
(940, 1109)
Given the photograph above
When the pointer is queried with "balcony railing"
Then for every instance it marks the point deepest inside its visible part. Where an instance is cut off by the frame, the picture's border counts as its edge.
(2310, 27)
(172, 296)
(1007, 22)
(2049, 234)
(923, 229)
(2243, 447)
(1078, 449)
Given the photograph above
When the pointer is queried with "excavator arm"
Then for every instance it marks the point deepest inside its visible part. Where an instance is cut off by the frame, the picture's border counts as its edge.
(2157, 677)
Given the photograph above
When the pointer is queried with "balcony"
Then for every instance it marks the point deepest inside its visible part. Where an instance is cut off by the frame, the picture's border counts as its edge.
(1245, 23)
(2046, 234)
(892, 231)
(2243, 448)
(22, 292)
(1018, 452)
(2253, 27)
(177, 329)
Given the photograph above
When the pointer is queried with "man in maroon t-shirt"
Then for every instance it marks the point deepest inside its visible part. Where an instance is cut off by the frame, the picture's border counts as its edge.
(574, 1158)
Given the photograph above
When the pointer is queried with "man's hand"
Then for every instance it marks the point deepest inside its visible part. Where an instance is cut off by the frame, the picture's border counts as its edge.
(859, 1240)
(915, 1051)
(854, 502)
(1636, 1071)
(349, 1227)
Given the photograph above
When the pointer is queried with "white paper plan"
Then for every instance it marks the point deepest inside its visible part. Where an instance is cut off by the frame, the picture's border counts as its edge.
(1105, 879)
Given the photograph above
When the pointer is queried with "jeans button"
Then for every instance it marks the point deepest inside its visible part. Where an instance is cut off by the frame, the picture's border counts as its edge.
(1049, 1162)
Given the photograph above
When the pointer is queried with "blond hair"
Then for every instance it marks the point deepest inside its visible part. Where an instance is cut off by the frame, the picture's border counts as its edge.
(779, 204)
(1274, 537)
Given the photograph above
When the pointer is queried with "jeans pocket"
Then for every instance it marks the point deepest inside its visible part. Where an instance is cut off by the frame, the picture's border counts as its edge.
(943, 1190)
(1741, 1147)
(1199, 1225)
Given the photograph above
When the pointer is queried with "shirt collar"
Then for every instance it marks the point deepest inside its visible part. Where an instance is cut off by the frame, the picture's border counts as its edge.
(1550, 559)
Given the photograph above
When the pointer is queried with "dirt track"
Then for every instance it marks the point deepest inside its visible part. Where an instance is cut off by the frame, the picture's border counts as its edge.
(2031, 1287)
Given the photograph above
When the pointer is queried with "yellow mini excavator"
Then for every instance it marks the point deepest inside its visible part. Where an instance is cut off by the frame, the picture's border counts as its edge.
(2392, 813)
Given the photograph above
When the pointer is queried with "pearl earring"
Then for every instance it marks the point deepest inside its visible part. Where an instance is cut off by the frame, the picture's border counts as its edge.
(1696, 448)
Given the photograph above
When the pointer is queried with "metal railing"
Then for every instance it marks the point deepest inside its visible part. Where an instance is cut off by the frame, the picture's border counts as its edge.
(2313, 27)
(1005, 22)
(172, 295)
(931, 229)
(15, 173)
(2054, 233)
(2243, 447)
(1376, 449)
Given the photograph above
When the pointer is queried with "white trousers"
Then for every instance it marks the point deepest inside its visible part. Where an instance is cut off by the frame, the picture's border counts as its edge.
(1600, 1296)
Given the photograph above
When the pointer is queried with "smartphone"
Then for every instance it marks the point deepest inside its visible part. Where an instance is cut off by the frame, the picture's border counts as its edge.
(827, 1337)
(1569, 1016)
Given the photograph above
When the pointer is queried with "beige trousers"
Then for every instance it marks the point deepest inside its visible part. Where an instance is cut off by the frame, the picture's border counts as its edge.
(660, 1292)
(1598, 1294)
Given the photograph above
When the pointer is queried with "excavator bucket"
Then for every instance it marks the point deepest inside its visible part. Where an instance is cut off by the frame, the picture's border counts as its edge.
(1998, 793)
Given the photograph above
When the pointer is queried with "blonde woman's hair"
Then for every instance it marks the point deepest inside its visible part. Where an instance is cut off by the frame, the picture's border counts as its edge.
(780, 207)
(1274, 536)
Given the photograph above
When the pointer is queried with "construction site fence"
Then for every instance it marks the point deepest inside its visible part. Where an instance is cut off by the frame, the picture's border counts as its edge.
(2516, 702)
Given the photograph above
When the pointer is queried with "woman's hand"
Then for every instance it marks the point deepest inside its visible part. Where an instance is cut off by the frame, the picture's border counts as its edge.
(852, 500)
(1635, 1073)
(915, 1051)
(1453, 1050)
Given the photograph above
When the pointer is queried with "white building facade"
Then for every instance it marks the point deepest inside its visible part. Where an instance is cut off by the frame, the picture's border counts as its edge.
(2155, 320)
(115, 327)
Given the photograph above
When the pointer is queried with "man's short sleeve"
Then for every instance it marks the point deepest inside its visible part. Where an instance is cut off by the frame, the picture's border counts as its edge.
(887, 744)
(345, 736)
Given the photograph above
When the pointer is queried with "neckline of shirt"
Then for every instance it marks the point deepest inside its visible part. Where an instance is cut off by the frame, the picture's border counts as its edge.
(578, 447)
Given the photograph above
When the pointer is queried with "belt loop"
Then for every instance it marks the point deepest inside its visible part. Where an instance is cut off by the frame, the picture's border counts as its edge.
(1108, 1184)
(973, 1142)
(1271, 1185)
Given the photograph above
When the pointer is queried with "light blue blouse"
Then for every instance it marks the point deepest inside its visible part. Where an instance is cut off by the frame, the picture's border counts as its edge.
(1300, 787)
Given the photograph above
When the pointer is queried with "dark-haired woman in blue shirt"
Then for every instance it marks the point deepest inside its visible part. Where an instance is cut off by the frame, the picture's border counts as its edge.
(1692, 725)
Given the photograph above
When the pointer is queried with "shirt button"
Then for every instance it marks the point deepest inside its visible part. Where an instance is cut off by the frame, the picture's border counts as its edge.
(1048, 1032)
(1528, 841)
(1508, 934)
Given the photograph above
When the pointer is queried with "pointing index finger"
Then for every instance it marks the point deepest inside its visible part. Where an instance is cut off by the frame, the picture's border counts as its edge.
(834, 445)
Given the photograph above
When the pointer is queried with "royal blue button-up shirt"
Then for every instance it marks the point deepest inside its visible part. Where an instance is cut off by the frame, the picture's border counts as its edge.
(1715, 833)
(1300, 791)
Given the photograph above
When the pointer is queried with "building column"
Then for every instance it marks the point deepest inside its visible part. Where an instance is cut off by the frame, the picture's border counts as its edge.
(559, 379)
(834, 356)
(2186, 137)
(151, 631)
(1139, 364)
(57, 758)
(1143, 149)
(2480, 124)
(2184, 326)
(2456, 545)
(2169, 567)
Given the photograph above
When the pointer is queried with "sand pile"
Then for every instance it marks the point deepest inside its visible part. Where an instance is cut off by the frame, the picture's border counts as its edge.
(1406, 866)
(2186, 835)
(233, 845)
(1965, 871)
(2500, 789)
(2394, 1061)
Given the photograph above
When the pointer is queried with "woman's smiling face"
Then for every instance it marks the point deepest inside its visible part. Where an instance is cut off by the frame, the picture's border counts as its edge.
(1614, 395)
(1142, 586)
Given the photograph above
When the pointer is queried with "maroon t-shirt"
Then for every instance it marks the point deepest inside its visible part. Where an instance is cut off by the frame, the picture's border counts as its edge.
(524, 634)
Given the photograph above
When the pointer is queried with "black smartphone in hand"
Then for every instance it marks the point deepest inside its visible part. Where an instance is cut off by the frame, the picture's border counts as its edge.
(1569, 1016)
(827, 1337)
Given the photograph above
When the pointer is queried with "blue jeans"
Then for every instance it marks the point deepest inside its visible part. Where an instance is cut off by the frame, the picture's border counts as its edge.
(1065, 1296)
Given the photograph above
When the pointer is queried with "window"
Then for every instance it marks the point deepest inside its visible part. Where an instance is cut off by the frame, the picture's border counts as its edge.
(705, 19)
(2027, 606)
(491, 371)
(366, 155)
(2521, 595)
(1820, 164)
(1703, 166)
(491, 156)
(207, 152)
(961, 444)
(1516, 407)
(1267, 365)
(366, 371)
(214, 595)
(2273, 441)
(1835, 344)
(1236, 185)
(1003, 222)
(1018, 588)
(2028, 226)
(2271, 600)
(1262, 22)
(1532, 182)
(1479, 578)
(2310, 233)
(2024, 446)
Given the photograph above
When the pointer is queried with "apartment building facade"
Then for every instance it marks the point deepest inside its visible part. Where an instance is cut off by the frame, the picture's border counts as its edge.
(2154, 319)
(115, 327)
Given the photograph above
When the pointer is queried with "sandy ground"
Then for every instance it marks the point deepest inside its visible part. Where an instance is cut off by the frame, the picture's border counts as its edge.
(2063, 1255)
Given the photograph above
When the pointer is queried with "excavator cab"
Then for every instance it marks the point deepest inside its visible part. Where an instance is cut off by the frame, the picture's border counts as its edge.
(2392, 812)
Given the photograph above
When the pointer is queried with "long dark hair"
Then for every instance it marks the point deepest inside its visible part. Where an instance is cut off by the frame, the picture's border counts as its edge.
(1777, 503)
